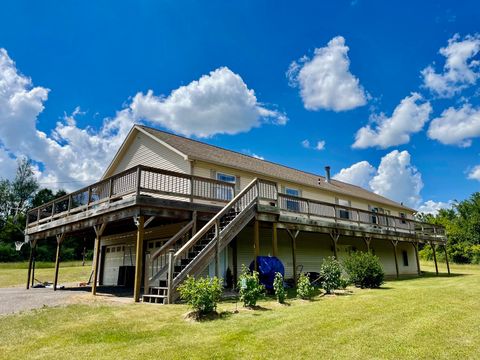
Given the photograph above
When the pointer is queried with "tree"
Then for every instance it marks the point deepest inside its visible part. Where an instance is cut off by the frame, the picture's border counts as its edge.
(23, 186)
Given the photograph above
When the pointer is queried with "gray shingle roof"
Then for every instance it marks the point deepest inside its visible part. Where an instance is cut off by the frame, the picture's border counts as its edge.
(197, 150)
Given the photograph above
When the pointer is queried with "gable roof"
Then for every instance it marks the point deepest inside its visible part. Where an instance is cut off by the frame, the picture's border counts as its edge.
(196, 150)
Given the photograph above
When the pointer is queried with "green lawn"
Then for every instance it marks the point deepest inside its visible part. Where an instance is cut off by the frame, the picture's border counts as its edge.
(429, 317)
(15, 274)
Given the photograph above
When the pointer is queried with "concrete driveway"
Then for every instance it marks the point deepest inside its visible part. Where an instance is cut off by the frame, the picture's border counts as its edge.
(13, 300)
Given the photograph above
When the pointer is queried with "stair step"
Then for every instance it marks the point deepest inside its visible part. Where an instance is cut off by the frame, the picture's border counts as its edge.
(154, 299)
(159, 287)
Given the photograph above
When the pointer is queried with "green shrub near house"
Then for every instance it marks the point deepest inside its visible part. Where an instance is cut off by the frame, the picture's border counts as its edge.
(364, 270)
(279, 288)
(331, 274)
(201, 294)
(304, 288)
(250, 288)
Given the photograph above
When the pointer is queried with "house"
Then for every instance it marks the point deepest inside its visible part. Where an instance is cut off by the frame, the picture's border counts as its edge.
(168, 206)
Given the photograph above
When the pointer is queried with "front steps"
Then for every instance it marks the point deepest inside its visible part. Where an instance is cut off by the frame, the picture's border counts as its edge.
(157, 294)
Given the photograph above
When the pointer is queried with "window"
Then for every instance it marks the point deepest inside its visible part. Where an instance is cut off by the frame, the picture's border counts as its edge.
(403, 216)
(378, 219)
(292, 205)
(224, 193)
(405, 258)
(343, 213)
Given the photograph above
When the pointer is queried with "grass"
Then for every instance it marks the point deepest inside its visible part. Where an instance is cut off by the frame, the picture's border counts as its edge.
(416, 318)
(15, 274)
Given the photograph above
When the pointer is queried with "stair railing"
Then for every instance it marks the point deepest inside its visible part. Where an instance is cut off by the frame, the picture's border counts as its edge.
(240, 202)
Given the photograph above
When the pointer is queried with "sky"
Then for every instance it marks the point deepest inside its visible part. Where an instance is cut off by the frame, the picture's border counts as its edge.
(386, 93)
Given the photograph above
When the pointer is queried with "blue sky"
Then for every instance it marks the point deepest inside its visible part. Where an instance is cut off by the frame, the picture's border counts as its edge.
(91, 67)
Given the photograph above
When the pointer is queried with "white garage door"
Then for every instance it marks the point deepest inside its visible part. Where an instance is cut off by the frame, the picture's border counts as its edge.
(114, 256)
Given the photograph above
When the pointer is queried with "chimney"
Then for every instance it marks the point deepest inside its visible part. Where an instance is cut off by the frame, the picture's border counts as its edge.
(327, 174)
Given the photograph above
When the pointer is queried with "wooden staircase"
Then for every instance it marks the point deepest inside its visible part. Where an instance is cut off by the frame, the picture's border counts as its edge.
(183, 255)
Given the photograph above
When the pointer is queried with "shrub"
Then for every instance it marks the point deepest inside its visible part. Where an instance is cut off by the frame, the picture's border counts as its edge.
(304, 288)
(364, 270)
(201, 294)
(331, 274)
(8, 252)
(279, 288)
(250, 288)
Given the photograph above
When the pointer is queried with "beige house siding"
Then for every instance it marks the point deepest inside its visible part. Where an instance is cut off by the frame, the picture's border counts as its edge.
(146, 151)
(205, 170)
(312, 248)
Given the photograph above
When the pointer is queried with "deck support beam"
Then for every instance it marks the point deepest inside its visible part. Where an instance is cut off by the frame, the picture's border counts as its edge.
(294, 236)
(446, 258)
(394, 244)
(274, 239)
(415, 247)
(434, 249)
(367, 240)
(139, 222)
(60, 238)
(99, 229)
(256, 245)
(30, 261)
(334, 235)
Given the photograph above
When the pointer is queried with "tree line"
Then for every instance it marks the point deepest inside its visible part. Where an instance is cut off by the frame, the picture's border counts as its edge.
(17, 197)
(462, 223)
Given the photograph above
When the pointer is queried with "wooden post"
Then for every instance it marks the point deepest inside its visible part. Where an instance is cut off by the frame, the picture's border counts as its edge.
(394, 244)
(60, 238)
(274, 239)
(235, 262)
(171, 267)
(99, 229)
(146, 280)
(367, 240)
(433, 246)
(294, 253)
(139, 221)
(415, 246)
(256, 238)
(194, 227)
(446, 258)
(30, 262)
(335, 237)
(217, 247)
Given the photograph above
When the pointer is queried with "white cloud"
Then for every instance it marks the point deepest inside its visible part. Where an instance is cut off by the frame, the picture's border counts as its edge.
(70, 156)
(320, 145)
(474, 174)
(432, 207)
(456, 126)
(306, 144)
(396, 178)
(460, 69)
(358, 174)
(408, 118)
(218, 103)
(252, 154)
(325, 81)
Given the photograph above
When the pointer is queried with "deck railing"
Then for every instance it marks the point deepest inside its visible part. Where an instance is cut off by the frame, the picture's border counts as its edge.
(354, 216)
(177, 186)
(135, 181)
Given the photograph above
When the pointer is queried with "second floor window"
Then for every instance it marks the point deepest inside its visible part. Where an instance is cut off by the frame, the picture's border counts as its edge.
(292, 205)
(343, 213)
(225, 193)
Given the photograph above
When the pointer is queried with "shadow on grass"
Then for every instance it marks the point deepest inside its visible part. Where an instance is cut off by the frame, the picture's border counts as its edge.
(198, 317)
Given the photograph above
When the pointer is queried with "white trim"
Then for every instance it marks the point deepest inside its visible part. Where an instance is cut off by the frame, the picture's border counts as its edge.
(168, 146)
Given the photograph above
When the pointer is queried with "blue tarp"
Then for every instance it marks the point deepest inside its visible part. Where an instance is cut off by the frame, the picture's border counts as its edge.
(267, 267)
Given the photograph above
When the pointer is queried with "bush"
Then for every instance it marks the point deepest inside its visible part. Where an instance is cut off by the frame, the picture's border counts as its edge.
(279, 288)
(304, 288)
(201, 294)
(331, 274)
(364, 270)
(8, 253)
(250, 288)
